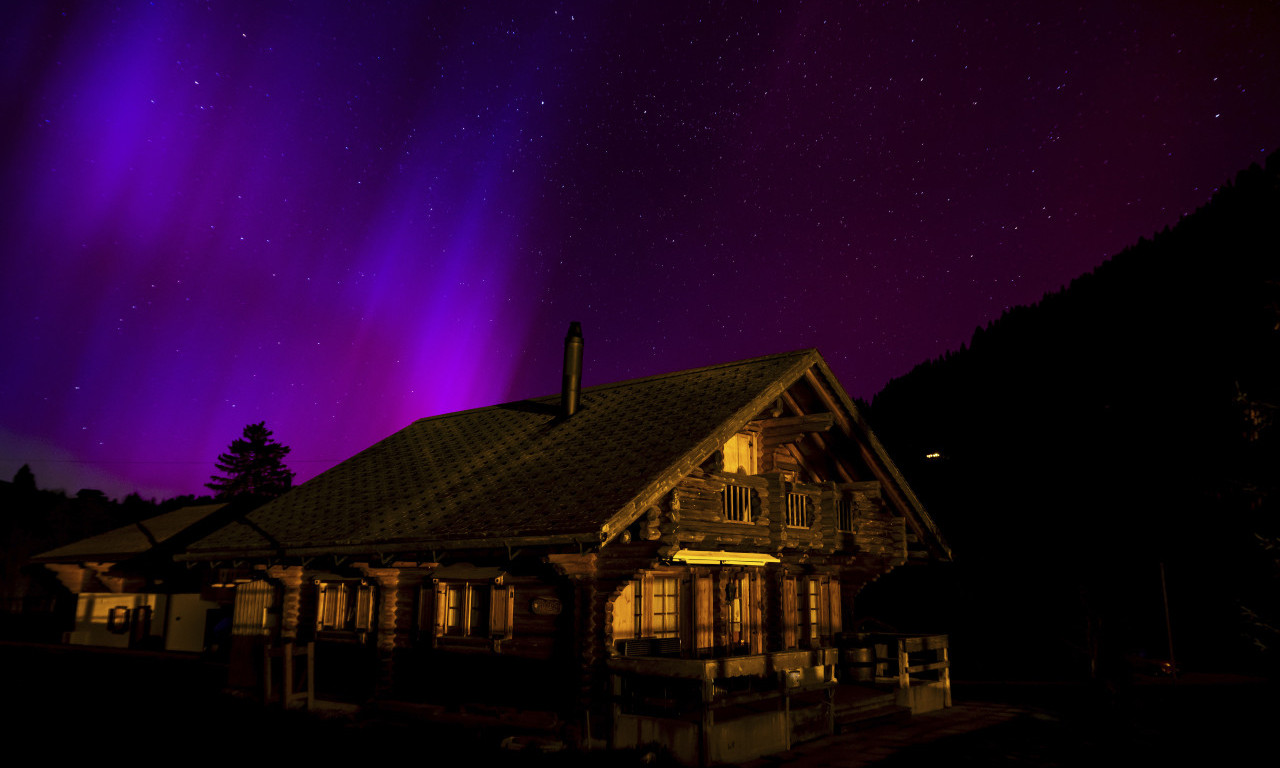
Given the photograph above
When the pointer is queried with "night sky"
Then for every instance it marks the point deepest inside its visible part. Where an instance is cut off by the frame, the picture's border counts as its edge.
(341, 217)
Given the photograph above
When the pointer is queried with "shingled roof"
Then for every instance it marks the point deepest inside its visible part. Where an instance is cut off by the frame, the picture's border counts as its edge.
(518, 472)
(131, 540)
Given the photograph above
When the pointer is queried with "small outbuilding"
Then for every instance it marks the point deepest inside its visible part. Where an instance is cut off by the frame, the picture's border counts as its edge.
(129, 591)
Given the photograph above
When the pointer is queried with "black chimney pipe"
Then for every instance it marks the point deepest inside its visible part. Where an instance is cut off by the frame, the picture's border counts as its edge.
(571, 387)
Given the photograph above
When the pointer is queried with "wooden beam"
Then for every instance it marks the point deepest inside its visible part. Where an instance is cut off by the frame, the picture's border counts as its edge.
(868, 455)
(813, 422)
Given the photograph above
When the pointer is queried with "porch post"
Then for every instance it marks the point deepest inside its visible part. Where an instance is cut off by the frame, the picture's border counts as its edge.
(588, 598)
(395, 602)
(290, 579)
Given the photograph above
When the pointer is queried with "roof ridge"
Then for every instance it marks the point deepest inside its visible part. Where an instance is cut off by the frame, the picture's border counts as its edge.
(627, 382)
(687, 371)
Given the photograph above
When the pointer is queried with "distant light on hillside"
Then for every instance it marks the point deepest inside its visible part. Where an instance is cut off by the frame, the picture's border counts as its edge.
(934, 455)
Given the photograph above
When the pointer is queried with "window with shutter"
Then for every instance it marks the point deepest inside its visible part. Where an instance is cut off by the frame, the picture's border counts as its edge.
(744, 611)
(345, 606)
(472, 610)
(812, 610)
(646, 615)
(666, 606)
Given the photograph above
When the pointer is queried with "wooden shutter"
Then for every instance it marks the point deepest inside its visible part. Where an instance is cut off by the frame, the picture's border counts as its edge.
(812, 610)
(755, 610)
(703, 611)
(324, 608)
(824, 607)
(502, 609)
(646, 606)
(624, 613)
(837, 619)
(442, 605)
(364, 608)
(790, 613)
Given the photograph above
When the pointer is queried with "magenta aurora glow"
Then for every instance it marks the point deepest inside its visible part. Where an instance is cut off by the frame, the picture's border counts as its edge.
(339, 219)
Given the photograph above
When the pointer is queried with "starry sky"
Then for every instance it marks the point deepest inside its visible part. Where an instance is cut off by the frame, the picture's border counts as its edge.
(340, 217)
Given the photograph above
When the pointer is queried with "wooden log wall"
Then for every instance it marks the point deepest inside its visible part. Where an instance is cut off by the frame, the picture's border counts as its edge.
(290, 580)
(693, 516)
(616, 566)
(696, 513)
(880, 534)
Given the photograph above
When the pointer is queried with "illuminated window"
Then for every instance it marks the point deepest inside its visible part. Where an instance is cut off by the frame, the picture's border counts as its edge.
(344, 606)
(810, 610)
(467, 610)
(666, 606)
(118, 620)
(733, 593)
(740, 454)
(648, 608)
(810, 624)
(475, 610)
(742, 595)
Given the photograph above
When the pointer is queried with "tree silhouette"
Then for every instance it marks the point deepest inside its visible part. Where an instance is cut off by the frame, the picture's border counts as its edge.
(252, 466)
(24, 482)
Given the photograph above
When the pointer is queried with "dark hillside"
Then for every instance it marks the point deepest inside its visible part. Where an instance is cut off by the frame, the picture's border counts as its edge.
(1091, 437)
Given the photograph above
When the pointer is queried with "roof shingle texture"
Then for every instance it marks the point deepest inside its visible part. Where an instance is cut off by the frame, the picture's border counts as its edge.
(132, 539)
(512, 470)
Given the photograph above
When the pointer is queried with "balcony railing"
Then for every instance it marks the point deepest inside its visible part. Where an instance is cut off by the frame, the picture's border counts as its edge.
(917, 666)
(799, 510)
(737, 503)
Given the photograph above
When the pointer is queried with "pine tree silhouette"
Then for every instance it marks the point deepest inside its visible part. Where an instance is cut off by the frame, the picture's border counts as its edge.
(252, 466)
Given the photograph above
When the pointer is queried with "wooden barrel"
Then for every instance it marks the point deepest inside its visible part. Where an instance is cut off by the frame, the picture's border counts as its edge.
(859, 664)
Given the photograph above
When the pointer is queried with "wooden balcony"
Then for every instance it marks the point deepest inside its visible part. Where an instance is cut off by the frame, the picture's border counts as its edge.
(865, 526)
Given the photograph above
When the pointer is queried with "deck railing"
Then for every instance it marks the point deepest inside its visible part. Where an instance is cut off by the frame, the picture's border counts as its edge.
(901, 661)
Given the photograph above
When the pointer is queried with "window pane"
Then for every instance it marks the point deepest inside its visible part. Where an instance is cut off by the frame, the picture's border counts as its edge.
(453, 611)
(478, 625)
(665, 607)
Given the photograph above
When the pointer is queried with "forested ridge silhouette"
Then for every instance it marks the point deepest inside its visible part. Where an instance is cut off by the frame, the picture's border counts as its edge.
(1119, 424)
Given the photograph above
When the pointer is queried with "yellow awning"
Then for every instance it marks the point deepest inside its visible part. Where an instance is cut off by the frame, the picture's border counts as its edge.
(707, 557)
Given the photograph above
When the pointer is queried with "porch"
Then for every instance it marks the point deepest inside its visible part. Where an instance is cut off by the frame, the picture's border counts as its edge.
(723, 710)
(916, 668)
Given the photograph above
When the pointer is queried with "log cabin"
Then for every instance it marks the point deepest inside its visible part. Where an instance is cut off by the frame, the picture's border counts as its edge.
(667, 560)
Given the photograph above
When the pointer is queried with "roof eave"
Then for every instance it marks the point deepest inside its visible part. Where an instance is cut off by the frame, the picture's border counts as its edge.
(941, 550)
(395, 547)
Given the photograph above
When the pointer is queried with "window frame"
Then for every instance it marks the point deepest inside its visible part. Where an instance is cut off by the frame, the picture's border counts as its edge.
(654, 595)
(482, 613)
(744, 612)
(846, 511)
(812, 611)
(743, 445)
(345, 606)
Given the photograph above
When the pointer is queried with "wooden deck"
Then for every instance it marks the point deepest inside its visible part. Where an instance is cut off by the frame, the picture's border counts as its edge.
(859, 706)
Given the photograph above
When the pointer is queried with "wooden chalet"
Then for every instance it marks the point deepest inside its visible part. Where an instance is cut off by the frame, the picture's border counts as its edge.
(670, 559)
